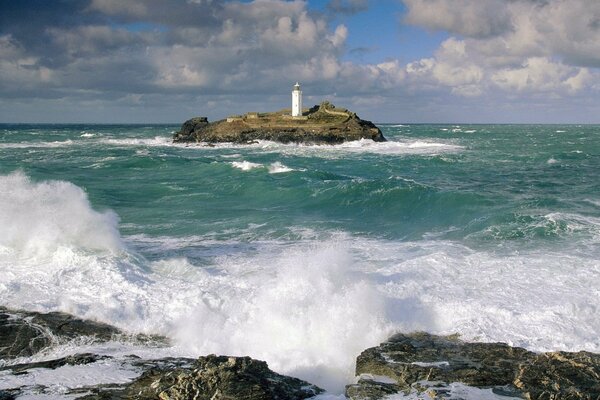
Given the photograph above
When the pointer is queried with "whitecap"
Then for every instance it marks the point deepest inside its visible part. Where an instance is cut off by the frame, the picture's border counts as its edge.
(157, 141)
(58, 253)
(245, 165)
(389, 147)
(277, 168)
(551, 161)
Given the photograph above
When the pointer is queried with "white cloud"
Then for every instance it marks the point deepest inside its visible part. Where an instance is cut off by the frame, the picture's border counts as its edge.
(145, 49)
(569, 29)
(517, 46)
(539, 74)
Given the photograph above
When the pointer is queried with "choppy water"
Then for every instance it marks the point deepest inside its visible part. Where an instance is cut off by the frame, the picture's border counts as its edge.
(305, 255)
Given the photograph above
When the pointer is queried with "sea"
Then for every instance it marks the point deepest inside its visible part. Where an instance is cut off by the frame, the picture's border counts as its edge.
(301, 255)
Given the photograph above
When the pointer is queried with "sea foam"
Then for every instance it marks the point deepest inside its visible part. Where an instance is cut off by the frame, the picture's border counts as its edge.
(300, 309)
(38, 218)
(307, 307)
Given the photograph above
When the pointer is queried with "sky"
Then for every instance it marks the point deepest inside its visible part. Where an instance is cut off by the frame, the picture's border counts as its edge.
(412, 61)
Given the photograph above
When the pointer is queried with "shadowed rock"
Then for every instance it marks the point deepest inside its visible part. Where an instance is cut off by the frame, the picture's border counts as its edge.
(24, 333)
(211, 378)
(75, 359)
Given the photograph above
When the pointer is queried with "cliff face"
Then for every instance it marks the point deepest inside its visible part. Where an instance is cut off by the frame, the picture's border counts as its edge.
(323, 124)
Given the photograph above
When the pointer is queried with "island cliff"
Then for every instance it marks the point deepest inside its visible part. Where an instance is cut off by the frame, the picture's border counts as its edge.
(321, 124)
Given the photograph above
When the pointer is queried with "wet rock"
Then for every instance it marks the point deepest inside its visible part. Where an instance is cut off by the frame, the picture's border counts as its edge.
(424, 363)
(75, 359)
(561, 375)
(211, 377)
(190, 126)
(24, 333)
(8, 394)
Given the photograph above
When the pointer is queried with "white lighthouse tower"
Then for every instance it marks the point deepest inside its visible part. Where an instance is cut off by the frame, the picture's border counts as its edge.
(296, 101)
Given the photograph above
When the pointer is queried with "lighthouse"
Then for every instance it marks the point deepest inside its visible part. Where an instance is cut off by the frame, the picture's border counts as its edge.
(296, 101)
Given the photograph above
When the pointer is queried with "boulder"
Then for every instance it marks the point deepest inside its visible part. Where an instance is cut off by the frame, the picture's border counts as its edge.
(210, 378)
(424, 363)
(24, 333)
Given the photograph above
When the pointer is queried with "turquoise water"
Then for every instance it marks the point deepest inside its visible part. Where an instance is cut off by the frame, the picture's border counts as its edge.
(483, 184)
(491, 231)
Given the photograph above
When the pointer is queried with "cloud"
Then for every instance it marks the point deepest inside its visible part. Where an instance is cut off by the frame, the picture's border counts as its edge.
(511, 30)
(515, 47)
(153, 46)
(206, 54)
(479, 18)
(539, 74)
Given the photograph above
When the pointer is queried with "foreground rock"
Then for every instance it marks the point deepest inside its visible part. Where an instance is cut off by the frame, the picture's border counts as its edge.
(24, 334)
(210, 378)
(323, 124)
(427, 366)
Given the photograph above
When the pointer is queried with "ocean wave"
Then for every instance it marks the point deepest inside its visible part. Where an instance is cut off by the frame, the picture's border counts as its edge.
(555, 225)
(391, 147)
(39, 217)
(278, 168)
(26, 145)
(274, 168)
(306, 307)
(245, 165)
(157, 141)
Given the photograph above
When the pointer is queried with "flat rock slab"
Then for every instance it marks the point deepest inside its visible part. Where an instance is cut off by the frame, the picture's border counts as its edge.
(424, 363)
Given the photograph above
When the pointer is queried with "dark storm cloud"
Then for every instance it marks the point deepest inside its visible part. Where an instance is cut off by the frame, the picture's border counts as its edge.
(153, 46)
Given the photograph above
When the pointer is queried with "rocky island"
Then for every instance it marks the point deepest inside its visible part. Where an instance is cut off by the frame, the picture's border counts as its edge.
(321, 124)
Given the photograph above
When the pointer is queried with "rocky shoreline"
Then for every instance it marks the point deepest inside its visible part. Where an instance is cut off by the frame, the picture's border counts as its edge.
(411, 366)
(321, 124)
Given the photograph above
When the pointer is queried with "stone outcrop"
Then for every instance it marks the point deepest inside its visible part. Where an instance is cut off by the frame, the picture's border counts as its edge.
(211, 378)
(430, 365)
(24, 333)
(418, 365)
(322, 124)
